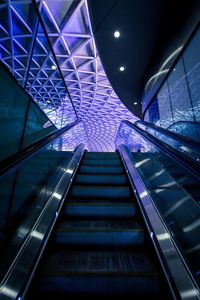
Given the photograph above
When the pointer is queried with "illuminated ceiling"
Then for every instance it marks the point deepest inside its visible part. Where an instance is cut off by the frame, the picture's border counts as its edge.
(56, 60)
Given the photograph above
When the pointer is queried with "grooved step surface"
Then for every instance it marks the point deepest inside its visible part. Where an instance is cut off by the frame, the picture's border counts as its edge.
(93, 225)
(103, 179)
(99, 246)
(100, 192)
(101, 155)
(100, 209)
(101, 162)
(101, 170)
(115, 233)
(101, 273)
(99, 262)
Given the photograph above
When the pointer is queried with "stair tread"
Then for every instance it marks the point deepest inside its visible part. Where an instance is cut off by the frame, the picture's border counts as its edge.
(101, 169)
(110, 202)
(98, 155)
(99, 192)
(92, 225)
(64, 263)
(76, 186)
(100, 179)
(100, 209)
(101, 162)
(103, 175)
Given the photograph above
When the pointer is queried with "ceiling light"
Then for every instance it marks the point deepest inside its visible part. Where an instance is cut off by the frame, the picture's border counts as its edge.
(135, 103)
(116, 34)
(53, 67)
(121, 68)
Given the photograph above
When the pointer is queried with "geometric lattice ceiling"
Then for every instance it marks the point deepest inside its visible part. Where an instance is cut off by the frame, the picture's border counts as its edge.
(77, 85)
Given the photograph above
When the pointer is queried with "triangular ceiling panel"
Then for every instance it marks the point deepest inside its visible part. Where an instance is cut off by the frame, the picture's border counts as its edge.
(74, 42)
(77, 66)
(25, 11)
(77, 23)
(19, 25)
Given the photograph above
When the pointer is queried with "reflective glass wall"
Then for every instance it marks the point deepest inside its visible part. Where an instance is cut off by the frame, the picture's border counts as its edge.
(26, 51)
(22, 122)
(25, 191)
(176, 105)
(163, 180)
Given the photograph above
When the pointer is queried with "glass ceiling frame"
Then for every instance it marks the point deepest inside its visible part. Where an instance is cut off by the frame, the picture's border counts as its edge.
(78, 87)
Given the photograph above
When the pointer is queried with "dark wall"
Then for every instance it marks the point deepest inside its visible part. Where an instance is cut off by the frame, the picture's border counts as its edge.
(183, 20)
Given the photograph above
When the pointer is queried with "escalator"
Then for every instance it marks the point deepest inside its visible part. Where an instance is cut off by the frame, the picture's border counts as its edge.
(100, 245)
(104, 224)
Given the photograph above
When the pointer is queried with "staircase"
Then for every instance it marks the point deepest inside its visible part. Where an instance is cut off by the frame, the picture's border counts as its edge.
(99, 246)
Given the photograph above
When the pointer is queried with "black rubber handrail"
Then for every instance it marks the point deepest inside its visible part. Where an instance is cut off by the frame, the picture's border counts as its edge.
(171, 134)
(13, 161)
(186, 161)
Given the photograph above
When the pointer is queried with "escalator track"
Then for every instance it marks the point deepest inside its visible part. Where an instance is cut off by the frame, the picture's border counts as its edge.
(100, 245)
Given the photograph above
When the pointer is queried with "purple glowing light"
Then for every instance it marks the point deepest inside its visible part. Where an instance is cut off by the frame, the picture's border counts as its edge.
(69, 30)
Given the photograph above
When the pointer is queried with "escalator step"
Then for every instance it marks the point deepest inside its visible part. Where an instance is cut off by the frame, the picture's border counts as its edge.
(104, 273)
(119, 233)
(101, 155)
(101, 170)
(100, 179)
(100, 192)
(101, 162)
(99, 209)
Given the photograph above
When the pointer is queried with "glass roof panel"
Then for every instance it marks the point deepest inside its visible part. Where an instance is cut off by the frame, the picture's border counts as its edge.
(74, 66)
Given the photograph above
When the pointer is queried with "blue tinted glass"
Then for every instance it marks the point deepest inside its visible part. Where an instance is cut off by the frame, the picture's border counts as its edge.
(179, 94)
(13, 108)
(37, 125)
(31, 178)
(164, 104)
(154, 112)
(191, 59)
(6, 187)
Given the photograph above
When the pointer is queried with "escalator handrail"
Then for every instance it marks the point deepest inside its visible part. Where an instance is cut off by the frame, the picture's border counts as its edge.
(13, 161)
(172, 134)
(185, 160)
(18, 277)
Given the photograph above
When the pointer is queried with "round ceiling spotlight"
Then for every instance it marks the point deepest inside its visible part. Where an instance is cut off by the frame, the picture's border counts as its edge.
(122, 68)
(53, 67)
(116, 34)
(135, 103)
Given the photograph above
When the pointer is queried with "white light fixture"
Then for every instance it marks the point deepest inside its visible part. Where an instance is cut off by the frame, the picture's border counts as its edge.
(121, 68)
(135, 103)
(53, 67)
(57, 195)
(116, 34)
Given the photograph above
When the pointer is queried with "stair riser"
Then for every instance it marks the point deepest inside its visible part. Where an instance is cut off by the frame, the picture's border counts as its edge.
(141, 285)
(102, 155)
(101, 170)
(101, 238)
(90, 211)
(90, 162)
(100, 180)
(100, 193)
